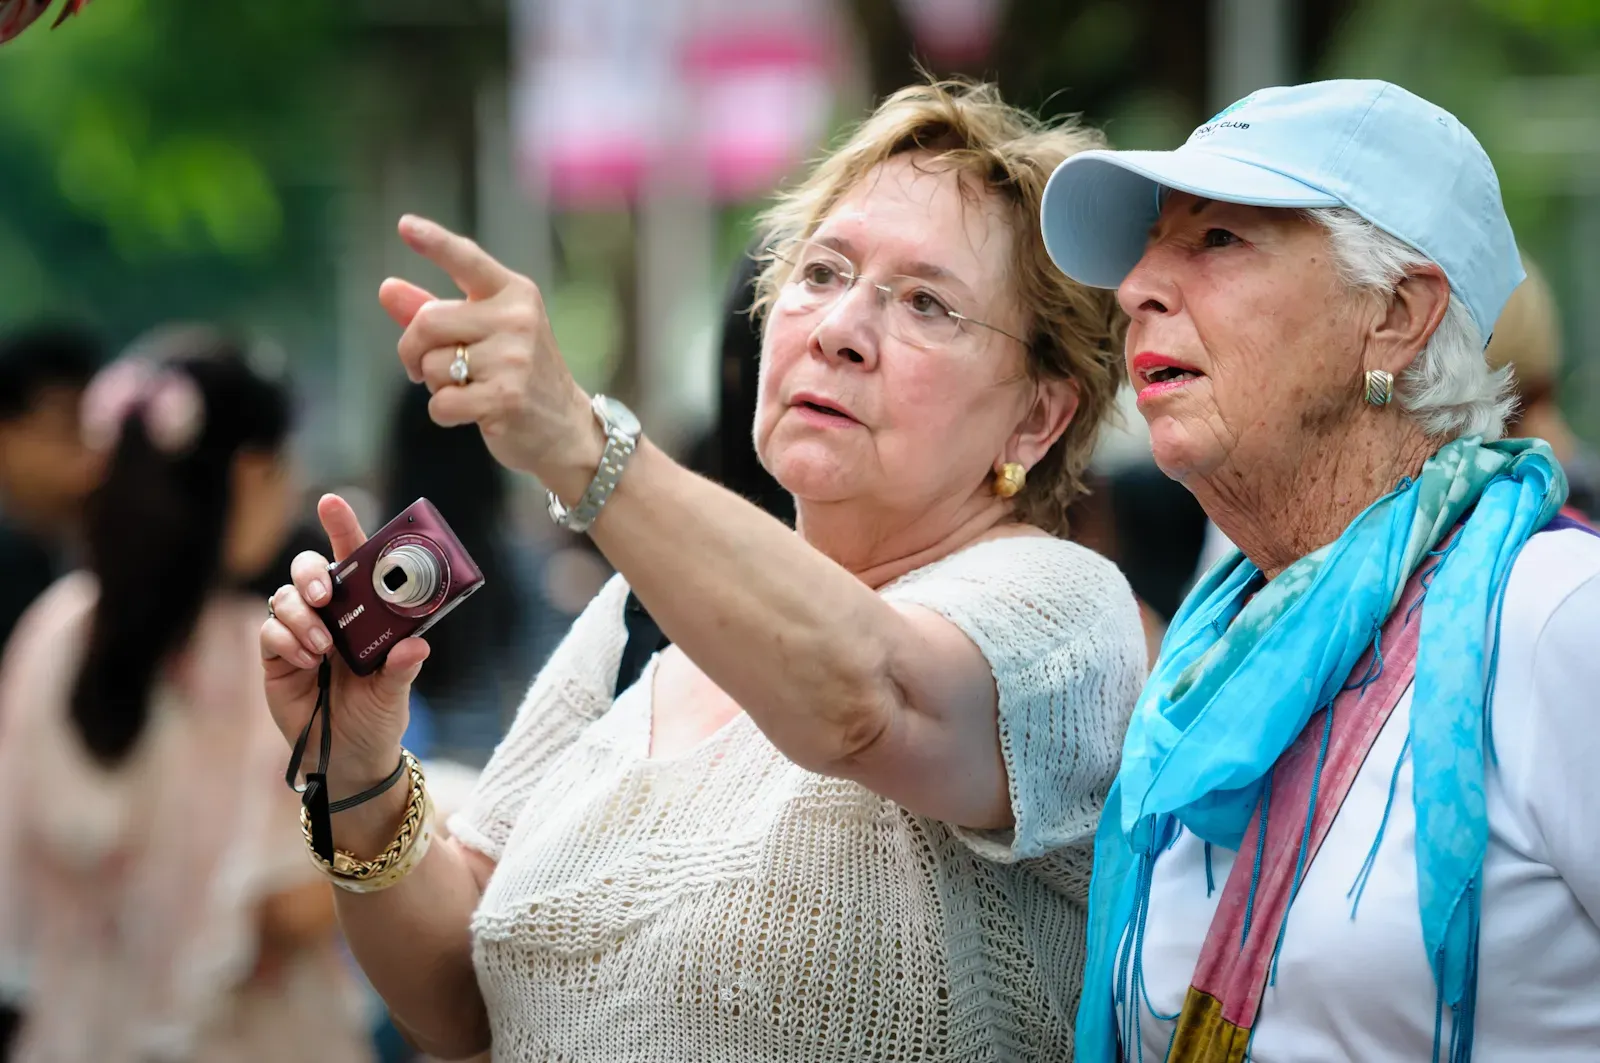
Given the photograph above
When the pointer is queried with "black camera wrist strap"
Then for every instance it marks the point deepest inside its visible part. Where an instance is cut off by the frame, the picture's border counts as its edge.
(314, 797)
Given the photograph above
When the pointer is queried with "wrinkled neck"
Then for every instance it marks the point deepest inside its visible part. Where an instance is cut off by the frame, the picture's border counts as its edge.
(1278, 513)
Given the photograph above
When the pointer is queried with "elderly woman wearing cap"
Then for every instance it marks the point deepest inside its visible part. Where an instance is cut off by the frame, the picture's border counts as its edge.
(1353, 819)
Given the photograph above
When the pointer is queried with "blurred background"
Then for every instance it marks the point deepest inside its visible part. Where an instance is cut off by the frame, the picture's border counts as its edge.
(244, 165)
(166, 159)
(182, 160)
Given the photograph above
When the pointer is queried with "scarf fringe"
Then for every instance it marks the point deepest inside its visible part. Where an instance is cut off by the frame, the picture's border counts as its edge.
(1255, 872)
(1305, 841)
(1464, 1012)
(1359, 886)
(1132, 993)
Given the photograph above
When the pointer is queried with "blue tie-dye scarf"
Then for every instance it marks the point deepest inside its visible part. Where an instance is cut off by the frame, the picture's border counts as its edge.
(1239, 676)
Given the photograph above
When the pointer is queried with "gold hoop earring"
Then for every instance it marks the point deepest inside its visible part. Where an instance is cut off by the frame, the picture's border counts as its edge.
(1010, 479)
(1380, 387)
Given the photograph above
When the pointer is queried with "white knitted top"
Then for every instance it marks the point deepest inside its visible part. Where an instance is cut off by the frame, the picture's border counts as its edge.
(726, 906)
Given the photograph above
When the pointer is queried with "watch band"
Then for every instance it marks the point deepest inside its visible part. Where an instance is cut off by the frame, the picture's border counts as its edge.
(620, 446)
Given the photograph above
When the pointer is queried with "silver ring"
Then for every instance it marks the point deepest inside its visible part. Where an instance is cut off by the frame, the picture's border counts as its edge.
(461, 368)
(272, 613)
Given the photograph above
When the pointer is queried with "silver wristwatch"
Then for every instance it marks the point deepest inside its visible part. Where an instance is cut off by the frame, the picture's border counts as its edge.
(622, 438)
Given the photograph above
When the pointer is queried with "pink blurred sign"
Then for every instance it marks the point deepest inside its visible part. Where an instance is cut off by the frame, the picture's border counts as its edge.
(722, 95)
(958, 32)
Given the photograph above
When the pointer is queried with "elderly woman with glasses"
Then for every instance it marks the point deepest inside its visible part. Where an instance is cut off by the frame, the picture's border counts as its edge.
(848, 813)
(1355, 815)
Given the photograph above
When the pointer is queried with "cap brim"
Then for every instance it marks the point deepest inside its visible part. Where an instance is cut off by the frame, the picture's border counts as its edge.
(1099, 205)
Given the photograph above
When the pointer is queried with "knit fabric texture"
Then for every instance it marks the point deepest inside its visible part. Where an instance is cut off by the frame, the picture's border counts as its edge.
(727, 905)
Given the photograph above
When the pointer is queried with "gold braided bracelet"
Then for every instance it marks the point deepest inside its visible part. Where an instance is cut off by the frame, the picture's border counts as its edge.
(410, 845)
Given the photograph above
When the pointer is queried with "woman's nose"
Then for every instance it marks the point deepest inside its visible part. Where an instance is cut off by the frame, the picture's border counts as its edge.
(1150, 288)
(851, 329)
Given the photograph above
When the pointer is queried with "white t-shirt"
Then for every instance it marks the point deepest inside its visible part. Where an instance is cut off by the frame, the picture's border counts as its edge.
(1361, 989)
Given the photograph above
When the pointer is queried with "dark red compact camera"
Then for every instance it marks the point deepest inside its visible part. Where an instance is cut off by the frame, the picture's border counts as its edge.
(401, 582)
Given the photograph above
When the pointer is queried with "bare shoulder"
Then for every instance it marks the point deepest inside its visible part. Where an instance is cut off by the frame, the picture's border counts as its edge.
(59, 614)
(45, 643)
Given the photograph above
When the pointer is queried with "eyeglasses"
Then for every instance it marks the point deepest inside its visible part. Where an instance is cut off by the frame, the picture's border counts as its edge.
(916, 315)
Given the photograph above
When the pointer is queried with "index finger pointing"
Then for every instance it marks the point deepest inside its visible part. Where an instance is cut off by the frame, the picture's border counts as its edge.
(475, 271)
(339, 521)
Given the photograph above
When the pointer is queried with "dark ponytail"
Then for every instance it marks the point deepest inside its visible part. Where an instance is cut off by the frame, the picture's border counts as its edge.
(156, 529)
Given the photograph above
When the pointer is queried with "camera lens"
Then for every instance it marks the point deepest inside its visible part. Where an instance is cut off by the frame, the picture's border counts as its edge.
(406, 576)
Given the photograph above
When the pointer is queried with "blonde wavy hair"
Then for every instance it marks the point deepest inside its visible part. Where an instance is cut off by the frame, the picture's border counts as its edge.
(1073, 332)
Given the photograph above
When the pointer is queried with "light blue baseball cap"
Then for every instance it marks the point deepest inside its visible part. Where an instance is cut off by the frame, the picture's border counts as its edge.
(1406, 166)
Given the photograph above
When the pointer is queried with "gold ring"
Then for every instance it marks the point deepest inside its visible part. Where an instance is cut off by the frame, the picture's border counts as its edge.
(461, 368)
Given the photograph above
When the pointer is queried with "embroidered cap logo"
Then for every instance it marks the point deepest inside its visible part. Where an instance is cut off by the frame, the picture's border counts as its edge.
(1226, 111)
(1219, 120)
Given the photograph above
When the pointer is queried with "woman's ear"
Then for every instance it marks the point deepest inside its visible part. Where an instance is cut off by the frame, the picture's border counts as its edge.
(1415, 308)
(1055, 401)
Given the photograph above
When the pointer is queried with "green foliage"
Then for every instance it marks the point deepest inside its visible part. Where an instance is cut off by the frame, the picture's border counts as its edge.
(1571, 24)
(156, 154)
(1524, 75)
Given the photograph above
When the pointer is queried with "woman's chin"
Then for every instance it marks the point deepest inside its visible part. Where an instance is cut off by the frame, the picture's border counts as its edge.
(813, 477)
(1176, 451)
(817, 489)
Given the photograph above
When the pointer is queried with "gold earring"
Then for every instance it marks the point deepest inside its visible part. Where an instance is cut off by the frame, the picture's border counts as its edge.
(1380, 387)
(1010, 479)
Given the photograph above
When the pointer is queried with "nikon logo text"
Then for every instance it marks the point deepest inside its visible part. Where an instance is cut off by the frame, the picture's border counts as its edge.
(344, 621)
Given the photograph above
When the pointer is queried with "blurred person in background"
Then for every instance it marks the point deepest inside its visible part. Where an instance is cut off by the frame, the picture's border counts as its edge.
(1152, 529)
(155, 898)
(480, 659)
(45, 469)
(724, 452)
(846, 814)
(1160, 530)
(477, 664)
(1528, 339)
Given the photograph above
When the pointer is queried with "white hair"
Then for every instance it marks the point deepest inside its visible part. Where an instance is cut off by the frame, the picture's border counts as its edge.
(1449, 390)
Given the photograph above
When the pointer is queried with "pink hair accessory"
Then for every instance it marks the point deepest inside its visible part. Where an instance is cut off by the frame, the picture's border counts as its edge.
(168, 401)
(108, 400)
(175, 412)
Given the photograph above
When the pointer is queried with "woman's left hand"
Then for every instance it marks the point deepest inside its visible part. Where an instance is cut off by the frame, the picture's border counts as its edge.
(533, 415)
